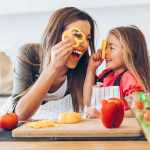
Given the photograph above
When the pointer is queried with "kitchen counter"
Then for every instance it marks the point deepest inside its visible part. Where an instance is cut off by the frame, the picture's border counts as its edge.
(76, 145)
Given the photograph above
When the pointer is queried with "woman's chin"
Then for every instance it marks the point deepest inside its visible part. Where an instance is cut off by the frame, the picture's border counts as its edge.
(71, 65)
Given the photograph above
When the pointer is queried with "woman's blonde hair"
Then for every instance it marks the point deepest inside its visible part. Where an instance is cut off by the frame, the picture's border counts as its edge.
(52, 35)
(135, 53)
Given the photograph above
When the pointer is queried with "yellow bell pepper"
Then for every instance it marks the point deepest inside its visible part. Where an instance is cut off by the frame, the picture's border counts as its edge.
(71, 117)
(68, 33)
(103, 47)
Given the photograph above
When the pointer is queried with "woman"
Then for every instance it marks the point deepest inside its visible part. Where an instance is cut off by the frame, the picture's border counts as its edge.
(48, 75)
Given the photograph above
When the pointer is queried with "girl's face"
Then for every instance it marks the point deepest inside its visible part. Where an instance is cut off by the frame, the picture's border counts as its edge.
(114, 54)
(78, 52)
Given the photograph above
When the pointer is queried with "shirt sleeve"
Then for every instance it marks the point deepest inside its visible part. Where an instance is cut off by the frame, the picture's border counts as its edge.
(23, 73)
(128, 85)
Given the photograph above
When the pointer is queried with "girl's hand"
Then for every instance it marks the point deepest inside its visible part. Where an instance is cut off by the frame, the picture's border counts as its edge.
(60, 53)
(95, 60)
(92, 113)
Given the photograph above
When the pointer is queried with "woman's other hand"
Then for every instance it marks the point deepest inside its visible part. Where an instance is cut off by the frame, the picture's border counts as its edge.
(92, 113)
(60, 53)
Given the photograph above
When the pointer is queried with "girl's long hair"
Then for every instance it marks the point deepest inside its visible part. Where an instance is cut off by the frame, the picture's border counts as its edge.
(52, 35)
(135, 53)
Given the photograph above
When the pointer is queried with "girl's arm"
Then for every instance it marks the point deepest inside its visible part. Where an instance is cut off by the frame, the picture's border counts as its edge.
(30, 102)
(87, 87)
(94, 61)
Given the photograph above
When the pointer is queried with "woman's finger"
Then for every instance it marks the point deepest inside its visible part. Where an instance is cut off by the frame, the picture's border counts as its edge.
(63, 48)
(65, 54)
(62, 43)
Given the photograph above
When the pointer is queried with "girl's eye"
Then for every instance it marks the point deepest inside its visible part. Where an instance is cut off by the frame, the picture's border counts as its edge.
(89, 39)
(111, 48)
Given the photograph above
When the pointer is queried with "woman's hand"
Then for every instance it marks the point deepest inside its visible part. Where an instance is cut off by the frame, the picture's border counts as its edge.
(95, 60)
(60, 53)
(92, 113)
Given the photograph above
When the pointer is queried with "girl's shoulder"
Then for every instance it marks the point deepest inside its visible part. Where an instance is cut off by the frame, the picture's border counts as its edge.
(128, 75)
(102, 73)
(128, 80)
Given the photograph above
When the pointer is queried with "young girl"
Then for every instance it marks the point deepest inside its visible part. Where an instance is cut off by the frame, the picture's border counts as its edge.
(49, 76)
(127, 64)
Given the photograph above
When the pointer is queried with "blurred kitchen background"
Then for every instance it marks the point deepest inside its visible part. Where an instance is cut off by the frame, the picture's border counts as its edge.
(24, 21)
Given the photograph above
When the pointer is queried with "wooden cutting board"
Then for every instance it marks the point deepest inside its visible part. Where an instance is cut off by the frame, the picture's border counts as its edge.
(85, 128)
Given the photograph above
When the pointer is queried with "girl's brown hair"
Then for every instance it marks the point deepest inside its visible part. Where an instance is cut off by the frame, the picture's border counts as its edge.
(135, 53)
(52, 35)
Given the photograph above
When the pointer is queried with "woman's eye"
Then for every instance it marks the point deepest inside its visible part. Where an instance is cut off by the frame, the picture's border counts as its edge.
(77, 35)
(89, 39)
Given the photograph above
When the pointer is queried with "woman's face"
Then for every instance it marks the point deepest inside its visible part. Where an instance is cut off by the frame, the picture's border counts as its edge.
(78, 52)
(114, 54)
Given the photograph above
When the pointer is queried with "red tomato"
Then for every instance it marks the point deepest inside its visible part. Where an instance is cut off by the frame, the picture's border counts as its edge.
(147, 115)
(9, 121)
(138, 105)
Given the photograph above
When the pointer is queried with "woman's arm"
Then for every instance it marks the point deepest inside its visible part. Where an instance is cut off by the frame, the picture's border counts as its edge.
(30, 102)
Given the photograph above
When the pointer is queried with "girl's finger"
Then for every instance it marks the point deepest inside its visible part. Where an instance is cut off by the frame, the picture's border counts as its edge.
(99, 50)
(90, 116)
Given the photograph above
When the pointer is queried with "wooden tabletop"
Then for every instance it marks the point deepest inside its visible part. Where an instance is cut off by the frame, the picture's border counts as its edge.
(76, 145)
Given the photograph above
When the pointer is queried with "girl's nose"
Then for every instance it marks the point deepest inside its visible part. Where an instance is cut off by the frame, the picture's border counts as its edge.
(106, 51)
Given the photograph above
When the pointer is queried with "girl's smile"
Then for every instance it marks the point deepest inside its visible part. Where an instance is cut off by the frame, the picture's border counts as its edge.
(114, 54)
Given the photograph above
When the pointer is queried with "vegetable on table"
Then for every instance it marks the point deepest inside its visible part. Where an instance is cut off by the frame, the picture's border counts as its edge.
(9, 121)
(71, 117)
(112, 112)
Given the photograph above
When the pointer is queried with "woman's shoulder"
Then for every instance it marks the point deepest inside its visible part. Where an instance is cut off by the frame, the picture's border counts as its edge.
(30, 51)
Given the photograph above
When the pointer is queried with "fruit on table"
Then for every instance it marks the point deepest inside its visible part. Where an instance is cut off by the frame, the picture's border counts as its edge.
(9, 121)
(42, 124)
(112, 112)
(71, 117)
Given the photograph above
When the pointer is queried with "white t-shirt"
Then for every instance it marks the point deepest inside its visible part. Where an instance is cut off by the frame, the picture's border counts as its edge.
(58, 94)
(56, 103)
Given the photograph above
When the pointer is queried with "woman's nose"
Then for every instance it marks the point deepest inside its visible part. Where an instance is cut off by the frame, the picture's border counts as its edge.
(85, 44)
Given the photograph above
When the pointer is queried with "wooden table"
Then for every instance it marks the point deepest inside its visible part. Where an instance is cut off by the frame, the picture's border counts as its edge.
(76, 145)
